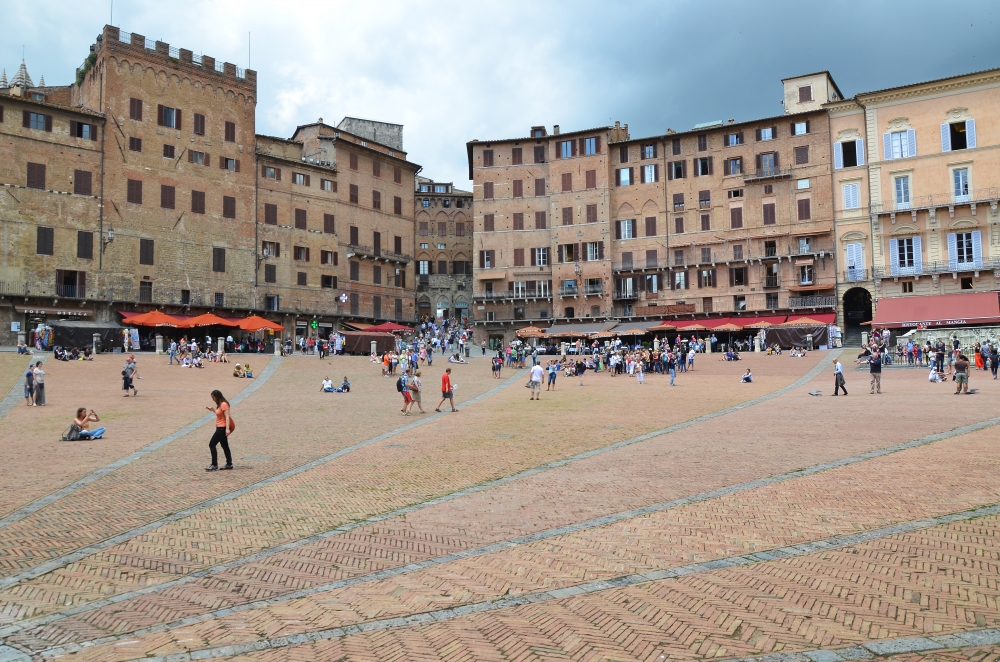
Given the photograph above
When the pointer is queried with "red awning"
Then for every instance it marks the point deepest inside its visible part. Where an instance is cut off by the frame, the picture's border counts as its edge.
(938, 310)
(825, 318)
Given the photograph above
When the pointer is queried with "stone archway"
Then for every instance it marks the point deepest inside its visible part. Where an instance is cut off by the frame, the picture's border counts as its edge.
(857, 307)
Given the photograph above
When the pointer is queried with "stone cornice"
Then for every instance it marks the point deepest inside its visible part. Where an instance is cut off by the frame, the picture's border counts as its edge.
(916, 91)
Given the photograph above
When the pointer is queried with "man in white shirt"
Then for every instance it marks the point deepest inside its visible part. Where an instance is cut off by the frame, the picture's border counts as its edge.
(327, 386)
(838, 376)
(536, 382)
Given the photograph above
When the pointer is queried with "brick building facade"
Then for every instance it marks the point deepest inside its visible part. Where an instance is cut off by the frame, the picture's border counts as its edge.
(443, 225)
(144, 185)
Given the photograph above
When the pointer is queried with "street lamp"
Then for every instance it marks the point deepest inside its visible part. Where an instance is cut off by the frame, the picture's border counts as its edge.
(111, 237)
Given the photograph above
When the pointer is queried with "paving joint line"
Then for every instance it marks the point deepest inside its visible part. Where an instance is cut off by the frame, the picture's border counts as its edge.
(80, 483)
(464, 554)
(52, 565)
(83, 552)
(881, 647)
(16, 393)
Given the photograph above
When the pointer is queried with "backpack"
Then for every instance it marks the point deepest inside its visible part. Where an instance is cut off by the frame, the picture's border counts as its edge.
(72, 433)
(399, 385)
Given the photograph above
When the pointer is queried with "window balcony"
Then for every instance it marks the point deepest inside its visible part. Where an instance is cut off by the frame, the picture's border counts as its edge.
(13, 288)
(593, 289)
(855, 275)
(376, 254)
(932, 268)
(625, 295)
(927, 202)
(812, 302)
(772, 282)
(767, 173)
(569, 291)
(512, 295)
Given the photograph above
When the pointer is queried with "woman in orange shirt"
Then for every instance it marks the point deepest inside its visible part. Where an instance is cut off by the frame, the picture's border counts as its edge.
(224, 425)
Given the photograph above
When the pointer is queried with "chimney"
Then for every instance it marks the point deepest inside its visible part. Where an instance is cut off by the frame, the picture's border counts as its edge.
(732, 121)
(555, 129)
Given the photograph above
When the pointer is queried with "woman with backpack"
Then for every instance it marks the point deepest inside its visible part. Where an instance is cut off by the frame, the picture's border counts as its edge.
(224, 426)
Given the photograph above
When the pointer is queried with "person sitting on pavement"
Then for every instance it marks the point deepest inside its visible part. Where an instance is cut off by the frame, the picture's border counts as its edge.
(74, 354)
(88, 355)
(247, 371)
(84, 419)
(345, 386)
(455, 358)
(935, 377)
(747, 377)
(238, 371)
(223, 357)
(22, 348)
(327, 386)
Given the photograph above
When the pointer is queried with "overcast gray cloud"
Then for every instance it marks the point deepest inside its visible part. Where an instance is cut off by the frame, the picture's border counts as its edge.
(454, 71)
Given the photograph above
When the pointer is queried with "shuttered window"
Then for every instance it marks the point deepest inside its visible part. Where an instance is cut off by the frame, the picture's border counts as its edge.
(199, 124)
(300, 219)
(145, 251)
(567, 182)
(487, 158)
(397, 205)
(650, 226)
(85, 245)
(539, 153)
(135, 109)
(539, 220)
(802, 155)
(805, 209)
(679, 225)
(567, 216)
(167, 196)
(769, 215)
(518, 186)
(736, 217)
(376, 168)
(270, 214)
(422, 229)
(851, 196)
(353, 161)
(354, 193)
(134, 144)
(591, 177)
(197, 202)
(706, 222)
(460, 228)
(515, 156)
(355, 271)
(228, 206)
(488, 190)
(518, 220)
(487, 223)
(591, 213)
(36, 175)
(134, 192)
(540, 186)
(270, 273)
(518, 257)
(397, 175)
(329, 226)
(230, 132)
(219, 260)
(45, 241)
(443, 229)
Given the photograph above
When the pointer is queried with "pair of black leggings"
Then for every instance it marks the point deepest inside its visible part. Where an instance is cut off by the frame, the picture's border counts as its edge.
(220, 438)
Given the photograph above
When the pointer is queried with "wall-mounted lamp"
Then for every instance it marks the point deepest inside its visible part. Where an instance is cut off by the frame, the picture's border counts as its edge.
(111, 237)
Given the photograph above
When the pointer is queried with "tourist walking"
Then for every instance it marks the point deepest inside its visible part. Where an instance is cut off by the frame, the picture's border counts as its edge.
(39, 376)
(962, 374)
(447, 391)
(403, 386)
(838, 378)
(535, 382)
(224, 426)
(128, 373)
(416, 388)
(875, 368)
(672, 367)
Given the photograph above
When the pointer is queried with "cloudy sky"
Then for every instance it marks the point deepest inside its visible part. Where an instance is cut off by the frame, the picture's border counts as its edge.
(453, 71)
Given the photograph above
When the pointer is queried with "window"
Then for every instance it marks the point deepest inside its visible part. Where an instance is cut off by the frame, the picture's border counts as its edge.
(734, 166)
(626, 229)
(567, 216)
(186, 299)
(225, 163)
(460, 227)
(134, 191)
(199, 124)
(805, 93)
(220, 299)
(802, 184)
(678, 201)
(591, 146)
(706, 254)
(37, 121)
(680, 280)
(706, 278)
(766, 134)
(270, 273)
(518, 257)
(961, 245)
(540, 186)
(518, 186)
(353, 161)
(594, 251)
(769, 213)
(376, 168)
(518, 221)
(900, 144)
(624, 176)
(805, 209)
(851, 196)
(649, 151)
(355, 271)
(566, 149)
(567, 182)
(82, 182)
(219, 260)
(134, 144)
(167, 196)
(733, 139)
(738, 252)
(767, 164)
(541, 257)
(44, 241)
(329, 224)
(168, 151)
(904, 252)
(771, 301)
(703, 166)
(768, 189)
(270, 214)
(85, 245)
(135, 109)
(650, 226)
(540, 222)
(591, 177)
(298, 178)
(441, 247)
(230, 132)
(425, 203)
(706, 222)
(353, 194)
(901, 187)
(734, 193)
(328, 257)
(540, 154)
(806, 274)
(591, 213)
(679, 257)
(736, 217)
(168, 117)
(488, 190)
(270, 249)
(442, 230)
(800, 128)
(848, 154)
(397, 205)
(300, 219)
(623, 154)
(377, 275)
(200, 158)
(737, 276)
(958, 135)
(488, 224)
(702, 143)
(516, 157)
(675, 169)
(300, 253)
(354, 235)
(650, 173)
(960, 181)
(197, 202)
(487, 158)
(36, 175)
(228, 206)
(424, 231)
(376, 200)
(145, 251)
(802, 155)
(705, 199)
(908, 286)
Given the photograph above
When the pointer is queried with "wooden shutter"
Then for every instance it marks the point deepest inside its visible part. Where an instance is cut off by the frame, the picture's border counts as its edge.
(159, 114)
(757, 137)
(838, 155)
(757, 162)
(656, 172)
(26, 119)
(650, 226)
(238, 169)
(600, 250)
(684, 169)
(769, 217)
(631, 176)
(710, 165)
(736, 217)
(277, 174)
(576, 253)
(805, 211)
(177, 119)
(642, 175)
(670, 172)
(618, 177)
(72, 129)
(48, 123)
(482, 259)
(618, 229)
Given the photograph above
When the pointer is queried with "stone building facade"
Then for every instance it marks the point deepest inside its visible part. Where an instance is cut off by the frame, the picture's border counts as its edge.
(443, 237)
(145, 185)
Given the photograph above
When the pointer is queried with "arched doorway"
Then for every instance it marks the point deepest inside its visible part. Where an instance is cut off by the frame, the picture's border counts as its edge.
(857, 310)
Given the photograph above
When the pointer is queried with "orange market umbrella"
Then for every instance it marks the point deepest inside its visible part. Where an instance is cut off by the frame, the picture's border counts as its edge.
(663, 327)
(728, 327)
(803, 321)
(632, 332)
(530, 332)
(154, 318)
(759, 325)
(258, 323)
(208, 319)
(602, 334)
(692, 327)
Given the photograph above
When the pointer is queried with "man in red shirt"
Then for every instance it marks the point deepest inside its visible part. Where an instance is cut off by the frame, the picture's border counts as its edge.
(447, 391)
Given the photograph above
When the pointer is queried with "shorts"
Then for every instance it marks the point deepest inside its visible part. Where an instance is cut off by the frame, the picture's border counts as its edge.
(536, 386)
(447, 395)
(552, 378)
(407, 398)
(961, 378)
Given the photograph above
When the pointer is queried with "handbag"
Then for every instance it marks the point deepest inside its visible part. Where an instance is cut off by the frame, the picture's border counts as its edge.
(72, 433)
(232, 424)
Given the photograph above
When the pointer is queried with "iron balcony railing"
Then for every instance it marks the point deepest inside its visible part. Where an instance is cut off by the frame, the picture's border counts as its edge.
(767, 173)
(625, 295)
(772, 282)
(855, 275)
(512, 295)
(377, 253)
(914, 203)
(930, 268)
(569, 291)
(812, 302)
(13, 288)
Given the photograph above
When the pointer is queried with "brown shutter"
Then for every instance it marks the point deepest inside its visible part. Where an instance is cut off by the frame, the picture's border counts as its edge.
(757, 138)
(710, 165)
(263, 170)
(48, 123)
(618, 229)
(642, 175)
(776, 160)
(694, 167)
(597, 143)
(732, 277)
(534, 257)
(159, 114)
(482, 259)
(222, 163)
(191, 157)
(807, 126)
(26, 119)
(684, 169)
(277, 174)
(631, 175)
(207, 161)
(308, 178)
(600, 250)
(573, 147)
(656, 172)
(774, 132)
(72, 128)
(177, 119)
(757, 162)
(237, 165)
(618, 177)
(791, 128)
(670, 172)
(740, 134)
